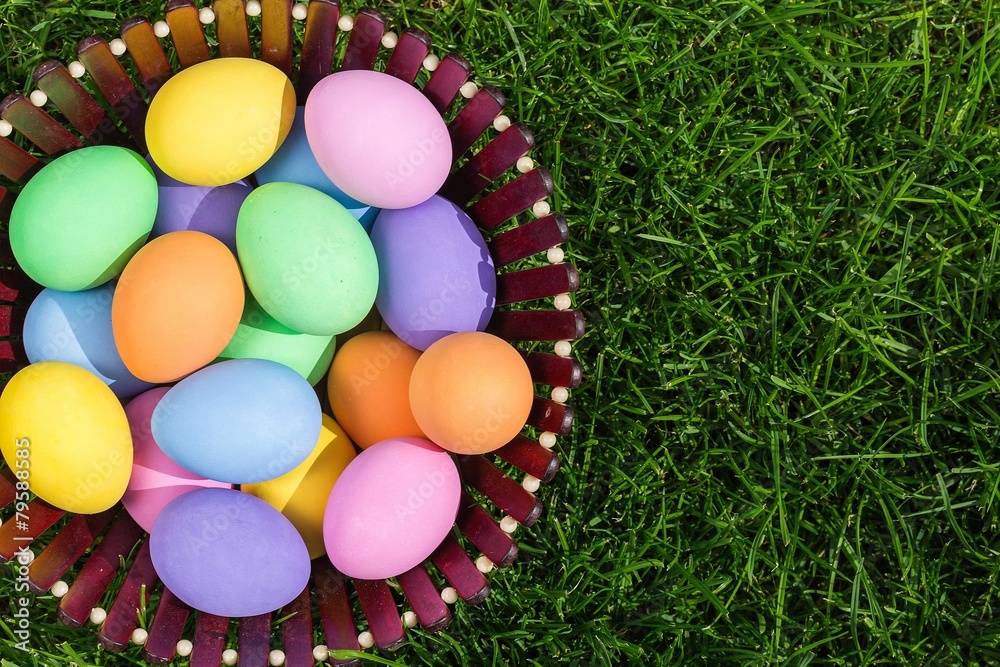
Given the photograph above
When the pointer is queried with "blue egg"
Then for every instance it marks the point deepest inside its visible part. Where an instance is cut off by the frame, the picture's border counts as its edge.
(294, 163)
(75, 327)
(239, 421)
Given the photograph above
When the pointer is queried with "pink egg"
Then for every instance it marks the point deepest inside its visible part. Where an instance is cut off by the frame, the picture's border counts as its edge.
(377, 138)
(156, 480)
(391, 508)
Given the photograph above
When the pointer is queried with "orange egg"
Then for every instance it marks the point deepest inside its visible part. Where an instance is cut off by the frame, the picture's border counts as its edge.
(369, 386)
(471, 392)
(176, 306)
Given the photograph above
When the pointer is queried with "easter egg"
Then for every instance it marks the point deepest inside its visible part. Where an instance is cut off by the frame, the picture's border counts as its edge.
(239, 421)
(80, 219)
(369, 388)
(212, 210)
(227, 553)
(301, 494)
(75, 327)
(260, 336)
(436, 276)
(155, 480)
(391, 508)
(63, 431)
(307, 261)
(218, 121)
(471, 392)
(295, 163)
(378, 138)
(177, 305)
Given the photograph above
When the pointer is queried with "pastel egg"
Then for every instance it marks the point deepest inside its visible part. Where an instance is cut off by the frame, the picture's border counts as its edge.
(391, 508)
(80, 219)
(369, 388)
(227, 553)
(301, 494)
(260, 336)
(471, 392)
(72, 431)
(212, 210)
(218, 121)
(239, 421)
(378, 138)
(295, 163)
(436, 276)
(155, 480)
(177, 306)
(75, 327)
(307, 261)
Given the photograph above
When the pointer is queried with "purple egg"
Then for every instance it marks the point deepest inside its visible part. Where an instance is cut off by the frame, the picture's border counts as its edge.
(212, 210)
(436, 276)
(228, 553)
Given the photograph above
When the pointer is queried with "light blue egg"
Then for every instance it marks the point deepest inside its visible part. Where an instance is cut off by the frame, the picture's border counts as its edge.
(239, 421)
(75, 327)
(294, 163)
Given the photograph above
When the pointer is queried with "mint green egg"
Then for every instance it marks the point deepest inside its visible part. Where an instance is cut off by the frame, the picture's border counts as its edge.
(260, 336)
(79, 220)
(306, 260)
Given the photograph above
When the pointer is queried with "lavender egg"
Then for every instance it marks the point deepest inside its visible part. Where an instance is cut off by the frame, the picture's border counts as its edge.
(228, 553)
(211, 210)
(436, 276)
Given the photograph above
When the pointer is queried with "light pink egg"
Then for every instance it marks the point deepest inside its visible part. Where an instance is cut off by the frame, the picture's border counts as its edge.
(391, 508)
(377, 138)
(156, 480)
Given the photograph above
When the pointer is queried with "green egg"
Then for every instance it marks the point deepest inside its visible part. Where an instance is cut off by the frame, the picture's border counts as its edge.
(260, 336)
(307, 261)
(80, 219)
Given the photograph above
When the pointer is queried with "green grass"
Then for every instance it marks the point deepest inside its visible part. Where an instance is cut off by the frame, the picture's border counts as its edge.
(786, 450)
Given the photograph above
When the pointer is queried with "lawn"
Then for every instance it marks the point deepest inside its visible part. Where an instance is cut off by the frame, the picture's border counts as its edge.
(786, 216)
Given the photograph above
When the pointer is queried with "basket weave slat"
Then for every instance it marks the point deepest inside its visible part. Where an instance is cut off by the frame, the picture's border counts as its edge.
(186, 32)
(409, 54)
(473, 119)
(512, 199)
(255, 640)
(484, 533)
(488, 164)
(501, 490)
(380, 609)
(123, 616)
(456, 566)
(528, 239)
(276, 34)
(37, 126)
(231, 28)
(527, 325)
(166, 629)
(99, 570)
(79, 108)
(530, 457)
(209, 640)
(297, 631)
(15, 533)
(116, 86)
(422, 594)
(318, 45)
(365, 40)
(538, 283)
(334, 607)
(447, 79)
(67, 548)
(16, 163)
(145, 51)
(553, 370)
(548, 415)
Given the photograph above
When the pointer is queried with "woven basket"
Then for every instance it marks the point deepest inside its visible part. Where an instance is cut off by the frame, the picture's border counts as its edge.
(499, 187)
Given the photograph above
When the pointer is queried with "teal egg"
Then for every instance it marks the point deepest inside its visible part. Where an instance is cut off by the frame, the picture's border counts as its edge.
(260, 336)
(307, 261)
(80, 219)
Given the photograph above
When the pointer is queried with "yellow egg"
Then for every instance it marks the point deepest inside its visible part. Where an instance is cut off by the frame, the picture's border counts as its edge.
(301, 494)
(220, 120)
(65, 434)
